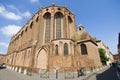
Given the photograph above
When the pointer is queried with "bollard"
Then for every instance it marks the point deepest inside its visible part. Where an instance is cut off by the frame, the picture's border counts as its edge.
(56, 74)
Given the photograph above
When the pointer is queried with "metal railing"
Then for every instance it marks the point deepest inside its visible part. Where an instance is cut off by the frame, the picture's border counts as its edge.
(67, 73)
(44, 73)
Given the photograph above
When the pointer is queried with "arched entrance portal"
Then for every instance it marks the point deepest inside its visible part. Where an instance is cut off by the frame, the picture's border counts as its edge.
(42, 59)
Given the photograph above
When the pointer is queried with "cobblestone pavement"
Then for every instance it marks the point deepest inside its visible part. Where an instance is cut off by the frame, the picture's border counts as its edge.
(6, 74)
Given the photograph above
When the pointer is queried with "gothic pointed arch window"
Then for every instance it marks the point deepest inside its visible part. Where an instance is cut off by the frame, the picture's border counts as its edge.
(31, 24)
(65, 49)
(58, 24)
(37, 19)
(56, 49)
(83, 49)
(22, 33)
(26, 29)
(47, 23)
(69, 19)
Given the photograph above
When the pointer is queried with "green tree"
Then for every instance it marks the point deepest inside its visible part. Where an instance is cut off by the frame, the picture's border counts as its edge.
(103, 56)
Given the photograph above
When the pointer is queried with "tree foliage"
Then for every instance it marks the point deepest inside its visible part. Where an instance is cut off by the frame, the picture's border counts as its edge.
(102, 55)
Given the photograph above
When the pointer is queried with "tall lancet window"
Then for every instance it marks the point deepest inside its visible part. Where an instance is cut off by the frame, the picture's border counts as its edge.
(58, 21)
(65, 49)
(47, 21)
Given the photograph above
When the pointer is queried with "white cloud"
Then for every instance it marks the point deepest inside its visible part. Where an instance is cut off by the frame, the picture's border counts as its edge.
(9, 15)
(14, 8)
(3, 44)
(2, 9)
(27, 14)
(33, 1)
(12, 16)
(15, 15)
(10, 29)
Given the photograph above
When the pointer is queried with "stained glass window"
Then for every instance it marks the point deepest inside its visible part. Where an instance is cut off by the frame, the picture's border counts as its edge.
(47, 25)
(58, 18)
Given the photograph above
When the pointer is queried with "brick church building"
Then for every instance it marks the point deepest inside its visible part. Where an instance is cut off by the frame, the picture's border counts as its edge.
(50, 40)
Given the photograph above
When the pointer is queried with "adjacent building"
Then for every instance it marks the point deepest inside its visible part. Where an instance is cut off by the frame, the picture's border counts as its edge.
(119, 43)
(108, 53)
(117, 56)
(50, 40)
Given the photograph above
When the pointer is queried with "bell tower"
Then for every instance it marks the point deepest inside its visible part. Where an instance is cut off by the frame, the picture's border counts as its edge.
(81, 28)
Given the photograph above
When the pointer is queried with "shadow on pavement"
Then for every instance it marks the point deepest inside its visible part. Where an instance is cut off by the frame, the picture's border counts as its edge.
(109, 74)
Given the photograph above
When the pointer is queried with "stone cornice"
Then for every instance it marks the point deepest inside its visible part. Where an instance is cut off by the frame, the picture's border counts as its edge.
(83, 41)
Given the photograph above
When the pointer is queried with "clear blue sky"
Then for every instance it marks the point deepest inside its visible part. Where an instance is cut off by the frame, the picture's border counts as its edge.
(101, 18)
